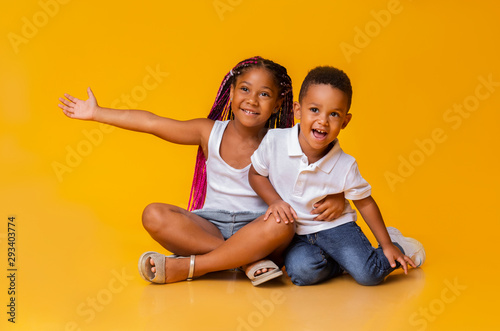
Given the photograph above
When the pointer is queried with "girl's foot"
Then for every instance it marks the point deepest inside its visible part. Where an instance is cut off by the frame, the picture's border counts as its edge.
(249, 266)
(176, 268)
(176, 271)
(262, 271)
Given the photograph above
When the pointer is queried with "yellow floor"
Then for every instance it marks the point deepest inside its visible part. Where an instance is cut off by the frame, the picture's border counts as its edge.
(67, 285)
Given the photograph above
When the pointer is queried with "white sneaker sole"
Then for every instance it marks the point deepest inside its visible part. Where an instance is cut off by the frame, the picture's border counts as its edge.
(418, 255)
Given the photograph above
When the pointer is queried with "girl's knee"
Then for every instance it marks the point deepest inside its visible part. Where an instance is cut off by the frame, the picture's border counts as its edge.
(154, 216)
(284, 231)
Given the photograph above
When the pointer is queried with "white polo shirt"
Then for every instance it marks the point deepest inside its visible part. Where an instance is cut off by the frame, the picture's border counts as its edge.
(300, 184)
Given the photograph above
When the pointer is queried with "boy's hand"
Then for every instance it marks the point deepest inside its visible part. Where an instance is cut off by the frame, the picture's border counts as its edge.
(329, 208)
(393, 254)
(281, 211)
(79, 109)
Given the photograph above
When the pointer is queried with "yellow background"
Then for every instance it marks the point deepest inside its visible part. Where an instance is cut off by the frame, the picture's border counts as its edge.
(412, 64)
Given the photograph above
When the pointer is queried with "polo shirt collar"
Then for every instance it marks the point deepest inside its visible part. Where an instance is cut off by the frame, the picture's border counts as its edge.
(294, 148)
(326, 163)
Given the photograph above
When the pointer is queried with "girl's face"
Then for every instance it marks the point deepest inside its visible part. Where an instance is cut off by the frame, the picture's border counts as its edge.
(255, 97)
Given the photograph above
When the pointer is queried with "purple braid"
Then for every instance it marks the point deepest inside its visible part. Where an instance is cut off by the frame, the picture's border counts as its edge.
(221, 111)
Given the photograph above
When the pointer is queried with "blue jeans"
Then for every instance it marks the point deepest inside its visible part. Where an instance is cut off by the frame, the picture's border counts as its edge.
(316, 257)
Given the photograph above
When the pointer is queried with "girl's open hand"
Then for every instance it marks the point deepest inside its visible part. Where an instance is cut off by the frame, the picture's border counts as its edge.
(281, 211)
(79, 109)
(393, 254)
(329, 208)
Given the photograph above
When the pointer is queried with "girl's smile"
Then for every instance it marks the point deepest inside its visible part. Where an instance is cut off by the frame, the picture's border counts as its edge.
(254, 97)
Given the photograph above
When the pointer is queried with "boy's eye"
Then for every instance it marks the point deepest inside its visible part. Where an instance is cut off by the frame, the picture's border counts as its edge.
(314, 109)
(334, 114)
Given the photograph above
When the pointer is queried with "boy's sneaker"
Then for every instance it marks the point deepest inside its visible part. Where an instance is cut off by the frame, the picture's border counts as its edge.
(412, 247)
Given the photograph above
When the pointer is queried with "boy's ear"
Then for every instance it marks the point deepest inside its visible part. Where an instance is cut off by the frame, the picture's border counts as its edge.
(347, 119)
(297, 112)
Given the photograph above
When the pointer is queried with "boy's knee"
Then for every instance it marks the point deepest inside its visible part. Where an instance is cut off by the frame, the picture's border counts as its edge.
(302, 273)
(305, 277)
(302, 282)
(301, 277)
(368, 280)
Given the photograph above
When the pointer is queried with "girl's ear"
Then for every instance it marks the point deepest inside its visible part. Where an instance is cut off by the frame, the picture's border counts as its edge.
(278, 106)
(297, 112)
(231, 91)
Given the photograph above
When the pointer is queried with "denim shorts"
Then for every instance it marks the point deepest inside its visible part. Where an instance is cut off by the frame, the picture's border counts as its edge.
(226, 221)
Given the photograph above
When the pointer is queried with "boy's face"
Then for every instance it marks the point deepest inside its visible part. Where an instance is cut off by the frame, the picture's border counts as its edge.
(322, 114)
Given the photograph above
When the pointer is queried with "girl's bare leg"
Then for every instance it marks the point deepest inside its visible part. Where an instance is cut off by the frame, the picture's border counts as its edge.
(255, 241)
(179, 231)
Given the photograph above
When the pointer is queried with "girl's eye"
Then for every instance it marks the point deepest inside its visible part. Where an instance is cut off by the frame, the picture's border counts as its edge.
(244, 88)
(265, 94)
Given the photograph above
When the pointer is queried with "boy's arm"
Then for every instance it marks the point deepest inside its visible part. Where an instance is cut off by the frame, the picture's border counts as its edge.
(193, 132)
(263, 187)
(371, 214)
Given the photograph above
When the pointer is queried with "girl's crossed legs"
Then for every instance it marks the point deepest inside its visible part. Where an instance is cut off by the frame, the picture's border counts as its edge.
(185, 233)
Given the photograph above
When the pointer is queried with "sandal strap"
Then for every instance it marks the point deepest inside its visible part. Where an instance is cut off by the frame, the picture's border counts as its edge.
(191, 268)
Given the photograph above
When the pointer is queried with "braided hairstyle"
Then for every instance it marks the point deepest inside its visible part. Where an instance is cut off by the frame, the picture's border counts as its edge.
(221, 111)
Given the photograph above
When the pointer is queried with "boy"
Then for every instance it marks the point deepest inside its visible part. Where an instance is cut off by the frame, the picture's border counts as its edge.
(294, 168)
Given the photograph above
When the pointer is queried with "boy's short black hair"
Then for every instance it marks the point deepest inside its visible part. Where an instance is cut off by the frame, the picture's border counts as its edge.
(329, 76)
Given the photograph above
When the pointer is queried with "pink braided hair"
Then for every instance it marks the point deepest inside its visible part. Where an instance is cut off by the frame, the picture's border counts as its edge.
(221, 111)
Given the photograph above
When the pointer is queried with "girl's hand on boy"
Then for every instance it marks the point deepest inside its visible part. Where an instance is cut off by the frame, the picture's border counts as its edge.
(393, 254)
(281, 211)
(329, 208)
(79, 109)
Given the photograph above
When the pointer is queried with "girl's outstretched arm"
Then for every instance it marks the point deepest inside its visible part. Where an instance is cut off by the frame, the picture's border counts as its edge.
(192, 132)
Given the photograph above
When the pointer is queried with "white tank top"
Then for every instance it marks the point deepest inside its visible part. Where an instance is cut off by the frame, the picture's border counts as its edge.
(228, 188)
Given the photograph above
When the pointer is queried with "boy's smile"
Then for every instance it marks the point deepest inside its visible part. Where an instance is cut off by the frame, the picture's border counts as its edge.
(323, 112)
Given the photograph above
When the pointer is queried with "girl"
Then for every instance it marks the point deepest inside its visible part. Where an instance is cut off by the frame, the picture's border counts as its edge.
(254, 96)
